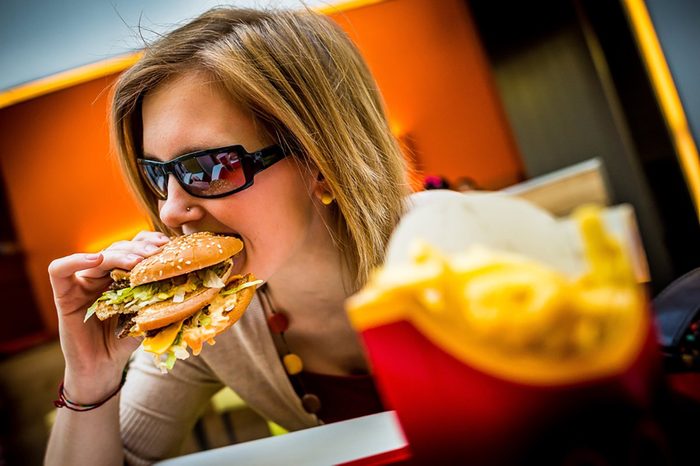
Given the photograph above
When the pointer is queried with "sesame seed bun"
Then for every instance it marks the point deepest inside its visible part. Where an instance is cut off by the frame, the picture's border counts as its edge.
(118, 275)
(167, 312)
(105, 311)
(185, 254)
(240, 302)
(243, 299)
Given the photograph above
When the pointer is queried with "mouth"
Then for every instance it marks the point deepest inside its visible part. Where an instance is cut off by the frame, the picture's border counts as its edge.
(239, 259)
(232, 235)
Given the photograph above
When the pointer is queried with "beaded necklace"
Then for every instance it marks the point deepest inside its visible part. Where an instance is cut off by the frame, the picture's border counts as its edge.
(278, 323)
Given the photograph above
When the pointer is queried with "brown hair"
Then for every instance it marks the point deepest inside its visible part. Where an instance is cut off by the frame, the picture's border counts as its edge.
(310, 90)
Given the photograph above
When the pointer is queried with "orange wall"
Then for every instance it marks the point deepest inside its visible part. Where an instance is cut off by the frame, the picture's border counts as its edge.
(63, 187)
(66, 195)
(436, 81)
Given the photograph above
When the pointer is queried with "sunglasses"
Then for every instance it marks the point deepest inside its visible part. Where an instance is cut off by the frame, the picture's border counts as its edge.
(210, 173)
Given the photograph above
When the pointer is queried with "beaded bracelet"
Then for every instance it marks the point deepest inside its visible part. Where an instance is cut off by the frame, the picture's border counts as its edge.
(63, 402)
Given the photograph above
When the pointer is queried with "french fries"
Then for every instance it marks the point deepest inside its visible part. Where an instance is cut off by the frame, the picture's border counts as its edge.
(515, 317)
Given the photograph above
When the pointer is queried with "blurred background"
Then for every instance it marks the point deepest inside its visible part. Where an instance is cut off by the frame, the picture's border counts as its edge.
(560, 101)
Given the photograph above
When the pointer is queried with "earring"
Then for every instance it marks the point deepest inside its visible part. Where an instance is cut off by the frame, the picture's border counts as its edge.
(326, 198)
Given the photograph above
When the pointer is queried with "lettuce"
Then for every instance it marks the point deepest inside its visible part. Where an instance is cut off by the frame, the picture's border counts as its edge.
(179, 297)
(143, 292)
(111, 297)
(204, 320)
(150, 293)
(212, 280)
(240, 287)
(91, 310)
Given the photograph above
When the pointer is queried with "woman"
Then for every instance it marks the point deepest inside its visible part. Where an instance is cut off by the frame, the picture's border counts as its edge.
(314, 223)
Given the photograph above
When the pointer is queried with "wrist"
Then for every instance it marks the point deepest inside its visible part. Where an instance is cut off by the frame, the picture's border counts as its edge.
(64, 402)
(92, 387)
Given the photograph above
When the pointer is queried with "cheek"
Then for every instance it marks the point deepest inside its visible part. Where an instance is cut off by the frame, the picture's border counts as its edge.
(274, 220)
(280, 231)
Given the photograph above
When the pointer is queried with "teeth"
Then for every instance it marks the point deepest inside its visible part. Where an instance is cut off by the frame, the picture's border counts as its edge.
(233, 235)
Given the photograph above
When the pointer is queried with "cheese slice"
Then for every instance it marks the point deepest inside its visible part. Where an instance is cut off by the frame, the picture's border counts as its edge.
(160, 342)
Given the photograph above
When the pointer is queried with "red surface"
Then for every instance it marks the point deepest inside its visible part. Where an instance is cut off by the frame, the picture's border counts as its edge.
(387, 457)
(452, 412)
(687, 384)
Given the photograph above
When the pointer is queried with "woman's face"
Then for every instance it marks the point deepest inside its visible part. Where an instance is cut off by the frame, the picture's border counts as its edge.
(275, 217)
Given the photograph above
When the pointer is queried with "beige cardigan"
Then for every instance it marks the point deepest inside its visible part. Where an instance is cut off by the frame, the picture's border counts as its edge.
(158, 411)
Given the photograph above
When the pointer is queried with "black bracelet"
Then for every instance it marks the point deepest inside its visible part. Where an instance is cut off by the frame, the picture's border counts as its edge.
(63, 402)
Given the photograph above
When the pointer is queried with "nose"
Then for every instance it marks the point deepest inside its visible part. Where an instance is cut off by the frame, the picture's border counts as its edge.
(179, 208)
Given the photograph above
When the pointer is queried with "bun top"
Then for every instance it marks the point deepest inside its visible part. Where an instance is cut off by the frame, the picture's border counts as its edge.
(185, 254)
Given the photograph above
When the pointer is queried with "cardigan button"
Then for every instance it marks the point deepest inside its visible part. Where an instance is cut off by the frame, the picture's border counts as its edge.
(311, 403)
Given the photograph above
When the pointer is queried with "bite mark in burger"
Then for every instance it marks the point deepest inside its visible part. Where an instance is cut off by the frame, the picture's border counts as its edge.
(181, 297)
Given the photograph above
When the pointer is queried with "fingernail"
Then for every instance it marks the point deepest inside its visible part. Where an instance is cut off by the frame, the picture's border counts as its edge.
(92, 257)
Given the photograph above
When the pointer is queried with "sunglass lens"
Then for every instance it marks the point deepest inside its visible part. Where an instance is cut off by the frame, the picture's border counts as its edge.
(157, 178)
(211, 174)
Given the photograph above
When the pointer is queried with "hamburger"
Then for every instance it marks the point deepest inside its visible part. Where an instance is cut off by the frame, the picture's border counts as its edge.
(179, 298)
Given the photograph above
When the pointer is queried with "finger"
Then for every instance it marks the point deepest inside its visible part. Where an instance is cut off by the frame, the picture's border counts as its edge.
(61, 271)
(145, 237)
(65, 267)
(112, 260)
(139, 248)
(152, 236)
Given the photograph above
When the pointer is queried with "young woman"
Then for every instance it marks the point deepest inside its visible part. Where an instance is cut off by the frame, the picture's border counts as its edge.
(314, 223)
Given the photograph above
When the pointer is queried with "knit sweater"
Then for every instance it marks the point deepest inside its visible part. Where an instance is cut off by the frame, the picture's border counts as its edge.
(158, 411)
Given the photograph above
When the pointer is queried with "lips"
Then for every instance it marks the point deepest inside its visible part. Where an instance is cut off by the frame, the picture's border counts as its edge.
(240, 259)
(233, 235)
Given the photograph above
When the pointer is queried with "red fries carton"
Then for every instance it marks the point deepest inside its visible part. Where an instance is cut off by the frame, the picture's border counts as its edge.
(493, 357)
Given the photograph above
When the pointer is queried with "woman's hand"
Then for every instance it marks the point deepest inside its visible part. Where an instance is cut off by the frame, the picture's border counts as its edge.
(94, 356)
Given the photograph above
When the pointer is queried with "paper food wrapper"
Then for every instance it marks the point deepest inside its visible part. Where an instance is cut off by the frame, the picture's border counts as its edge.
(499, 340)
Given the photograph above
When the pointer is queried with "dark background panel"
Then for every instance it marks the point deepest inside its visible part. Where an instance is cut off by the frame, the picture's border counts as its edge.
(574, 87)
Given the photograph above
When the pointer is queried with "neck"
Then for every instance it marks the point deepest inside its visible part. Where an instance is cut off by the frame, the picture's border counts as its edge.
(314, 284)
(311, 289)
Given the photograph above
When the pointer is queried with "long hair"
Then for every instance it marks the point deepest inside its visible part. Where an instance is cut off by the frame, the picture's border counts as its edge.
(309, 89)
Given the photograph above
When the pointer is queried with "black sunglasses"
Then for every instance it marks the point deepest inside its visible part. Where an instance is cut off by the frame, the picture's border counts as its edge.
(210, 173)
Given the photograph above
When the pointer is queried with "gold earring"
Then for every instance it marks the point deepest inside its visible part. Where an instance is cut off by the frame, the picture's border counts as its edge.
(326, 198)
